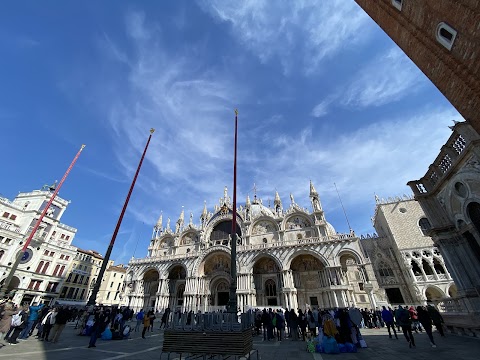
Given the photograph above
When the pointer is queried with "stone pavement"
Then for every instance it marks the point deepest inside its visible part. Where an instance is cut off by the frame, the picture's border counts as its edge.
(73, 347)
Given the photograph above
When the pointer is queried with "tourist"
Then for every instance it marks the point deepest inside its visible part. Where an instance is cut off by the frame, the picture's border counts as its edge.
(293, 325)
(437, 319)
(47, 324)
(388, 318)
(266, 319)
(302, 323)
(280, 324)
(60, 322)
(151, 315)
(426, 321)
(6, 321)
(101, 320)
(406, 324)
(139, 318)
(146, 324)
(312, 325)
(17, 329)
(415, 323)
(32, 319)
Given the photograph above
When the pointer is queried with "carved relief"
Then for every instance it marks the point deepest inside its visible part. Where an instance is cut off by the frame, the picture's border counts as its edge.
(297, 222)
(306, 263)
(263, 227)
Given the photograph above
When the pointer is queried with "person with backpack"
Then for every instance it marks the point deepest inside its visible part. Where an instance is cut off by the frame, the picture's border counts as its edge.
(426, 321)
(19, 322)
(406, 324)
(6, 321)
(32, 320)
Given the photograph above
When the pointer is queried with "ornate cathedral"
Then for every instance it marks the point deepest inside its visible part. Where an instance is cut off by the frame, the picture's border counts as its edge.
(286, 256)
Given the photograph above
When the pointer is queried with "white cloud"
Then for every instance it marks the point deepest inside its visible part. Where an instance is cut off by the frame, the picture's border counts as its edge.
(321, 109)
(284, 29)
(386, 79)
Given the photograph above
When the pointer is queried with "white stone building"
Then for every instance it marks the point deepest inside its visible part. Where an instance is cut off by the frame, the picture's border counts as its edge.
(405, 259)
(449, 193)
(113, 286)
(286, 257)
(42, 269)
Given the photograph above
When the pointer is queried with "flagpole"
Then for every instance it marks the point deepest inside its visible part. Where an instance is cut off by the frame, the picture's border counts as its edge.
(93, 297)
(21, 253)
(232, 303)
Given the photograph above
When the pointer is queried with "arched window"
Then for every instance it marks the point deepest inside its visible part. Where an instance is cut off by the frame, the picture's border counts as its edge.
(416, 269)
(69, 278)
(439, 269)
(45, 268)
(1, 254)
(56, 270)
(270, 288)
(39, 267)
(446, 35)
(427, 268)
(60, 273)
(424, 226)
(384, 269)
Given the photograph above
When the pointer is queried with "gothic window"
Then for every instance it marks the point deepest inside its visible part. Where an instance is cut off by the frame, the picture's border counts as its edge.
(416, 269)
(39, 267)
(44, 271)
(398, 4)
(424, 226)
(384, 269)
(270, 288)
(439, 269)
(61, 271)
(427, 268)
(446, 35)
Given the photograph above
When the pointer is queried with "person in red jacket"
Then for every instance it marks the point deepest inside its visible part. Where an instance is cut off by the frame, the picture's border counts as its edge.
(415, 323)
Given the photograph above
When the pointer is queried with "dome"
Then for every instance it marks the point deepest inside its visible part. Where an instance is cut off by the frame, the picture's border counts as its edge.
(330, 229)
(258, 209)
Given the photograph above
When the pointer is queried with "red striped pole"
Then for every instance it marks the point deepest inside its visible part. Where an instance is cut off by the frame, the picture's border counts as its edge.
(93, 297)
(37, 224)
(232, 303)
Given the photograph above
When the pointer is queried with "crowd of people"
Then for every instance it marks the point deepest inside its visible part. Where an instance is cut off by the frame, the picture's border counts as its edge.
(20, 322)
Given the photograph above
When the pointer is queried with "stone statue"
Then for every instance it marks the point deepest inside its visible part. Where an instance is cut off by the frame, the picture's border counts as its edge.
(292, 199)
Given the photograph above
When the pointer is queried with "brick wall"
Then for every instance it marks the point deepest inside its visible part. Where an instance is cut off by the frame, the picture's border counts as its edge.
(455, 73)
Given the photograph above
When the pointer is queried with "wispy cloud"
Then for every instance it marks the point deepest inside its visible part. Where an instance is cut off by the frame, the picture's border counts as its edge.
(387, 78)
(285, 29)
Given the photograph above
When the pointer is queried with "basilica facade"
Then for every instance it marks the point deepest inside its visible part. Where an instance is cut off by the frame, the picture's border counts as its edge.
(286, 256)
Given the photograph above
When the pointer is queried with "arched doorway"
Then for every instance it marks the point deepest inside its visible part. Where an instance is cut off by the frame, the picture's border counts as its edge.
(266, 276)
(176, 284)
(434, 294)
(150, 288)
(216, 269)
(452, 291)
(307, 271)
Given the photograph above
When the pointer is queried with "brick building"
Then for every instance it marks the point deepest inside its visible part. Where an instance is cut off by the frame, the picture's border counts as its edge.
(442, 37)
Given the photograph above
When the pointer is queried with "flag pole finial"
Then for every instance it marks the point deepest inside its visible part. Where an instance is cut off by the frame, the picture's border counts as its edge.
(236, 112)
(152, 130)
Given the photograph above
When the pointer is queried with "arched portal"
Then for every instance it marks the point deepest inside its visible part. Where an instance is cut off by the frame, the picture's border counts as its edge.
(150, 288)
(266, 276)
(216, 270)
(452, 291)
(434, 294)
(176, 285)
(308, 277)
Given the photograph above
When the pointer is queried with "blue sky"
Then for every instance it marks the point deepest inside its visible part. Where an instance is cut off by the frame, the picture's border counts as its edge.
(323, 95)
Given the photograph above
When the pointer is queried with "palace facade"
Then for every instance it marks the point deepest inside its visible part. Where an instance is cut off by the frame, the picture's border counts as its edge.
(289, 257)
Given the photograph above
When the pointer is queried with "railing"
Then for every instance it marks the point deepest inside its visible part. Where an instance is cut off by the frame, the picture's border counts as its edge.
(442, 276)
(455, 146)
(419, 278)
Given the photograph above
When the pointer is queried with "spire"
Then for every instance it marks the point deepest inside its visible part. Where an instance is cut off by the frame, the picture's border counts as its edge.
(248, 203)
(168, 224)
(160, 221)
(313, 192)
(225, 195)
(191, 219)
(204, 212)
(277, 203)
(180, 221)
(292, 198)
(182, 215)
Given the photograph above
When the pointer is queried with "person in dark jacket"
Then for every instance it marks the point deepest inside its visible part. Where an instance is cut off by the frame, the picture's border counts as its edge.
(406, 324)
(388, 318)
(437, 319)
(426, 321)
(102, 318)
(302, 322)
(266, 320)
(60, 322)
(293, 325)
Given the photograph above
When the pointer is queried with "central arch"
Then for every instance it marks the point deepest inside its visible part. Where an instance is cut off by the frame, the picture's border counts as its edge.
(177, 275)
(267, 280)
(221, 233)
(309, 276)
(150, 288)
